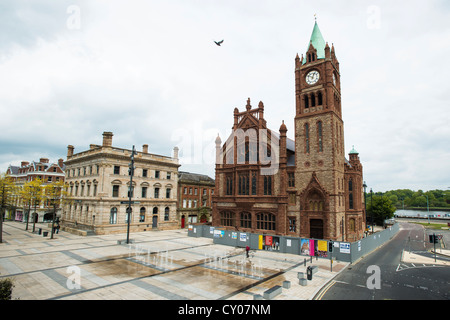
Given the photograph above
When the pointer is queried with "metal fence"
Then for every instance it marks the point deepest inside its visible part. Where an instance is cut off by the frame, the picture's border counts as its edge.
(337, 250)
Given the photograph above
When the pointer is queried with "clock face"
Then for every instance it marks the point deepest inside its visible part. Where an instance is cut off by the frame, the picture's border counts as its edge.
(312, 77)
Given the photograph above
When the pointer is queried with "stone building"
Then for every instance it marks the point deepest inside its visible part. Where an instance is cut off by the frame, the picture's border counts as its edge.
(195, 193)
(99, 182)
(268, 183)
(28, 171)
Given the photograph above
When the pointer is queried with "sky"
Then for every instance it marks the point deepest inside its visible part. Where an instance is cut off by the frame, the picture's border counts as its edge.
(150, 72)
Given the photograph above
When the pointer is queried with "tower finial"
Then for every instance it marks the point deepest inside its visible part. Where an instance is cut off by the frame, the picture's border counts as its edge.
(315, 17)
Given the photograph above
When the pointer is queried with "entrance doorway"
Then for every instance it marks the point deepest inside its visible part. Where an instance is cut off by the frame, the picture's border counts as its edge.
(155, 222)
(316, 228)
(182, 221)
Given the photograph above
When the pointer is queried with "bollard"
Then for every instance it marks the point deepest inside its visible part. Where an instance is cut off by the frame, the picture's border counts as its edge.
(304, 262)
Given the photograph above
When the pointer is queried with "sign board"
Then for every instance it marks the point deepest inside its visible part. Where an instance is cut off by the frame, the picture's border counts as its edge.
(219, 233)
(243, 237)
(344, 247)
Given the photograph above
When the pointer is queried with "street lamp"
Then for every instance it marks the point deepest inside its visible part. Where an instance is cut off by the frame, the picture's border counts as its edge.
(365, 207)
(130, 191)
(371, 208)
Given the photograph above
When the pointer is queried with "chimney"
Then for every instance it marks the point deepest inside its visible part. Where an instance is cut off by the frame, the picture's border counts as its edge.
(69, 151)
(24, 163)
(60, 163)
(145, 148)
(43, 160)
(175, 152)
(107, 139)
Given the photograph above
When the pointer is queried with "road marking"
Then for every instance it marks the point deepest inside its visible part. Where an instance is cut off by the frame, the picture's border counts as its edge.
(324, 290)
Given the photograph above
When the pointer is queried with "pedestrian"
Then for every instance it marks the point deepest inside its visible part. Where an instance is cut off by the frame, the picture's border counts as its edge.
(247, 249)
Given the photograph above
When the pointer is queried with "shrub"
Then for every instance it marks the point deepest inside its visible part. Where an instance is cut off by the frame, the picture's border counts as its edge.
(6, 286)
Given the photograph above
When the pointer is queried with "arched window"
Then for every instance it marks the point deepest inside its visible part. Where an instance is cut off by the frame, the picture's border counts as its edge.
(309, 57)
(142, 215)
(166, 214)
(350, 185)
(155, 210)
(313, 57)
(319, 135)
(306, 138)
(306, 101)
(319, 99)
(113, 216)
(313, 100)
(246, 220)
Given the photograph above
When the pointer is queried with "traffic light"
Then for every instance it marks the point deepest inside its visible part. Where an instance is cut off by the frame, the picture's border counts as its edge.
(330, 246)
(433, 238)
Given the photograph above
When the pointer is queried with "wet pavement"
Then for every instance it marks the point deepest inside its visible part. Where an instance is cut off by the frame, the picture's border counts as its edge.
(158, 265)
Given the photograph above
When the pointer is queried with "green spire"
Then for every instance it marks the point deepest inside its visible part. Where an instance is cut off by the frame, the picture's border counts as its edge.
(353, 151)
(318, 42)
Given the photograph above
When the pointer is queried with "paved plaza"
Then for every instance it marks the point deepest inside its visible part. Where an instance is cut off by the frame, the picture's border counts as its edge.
(158, 265)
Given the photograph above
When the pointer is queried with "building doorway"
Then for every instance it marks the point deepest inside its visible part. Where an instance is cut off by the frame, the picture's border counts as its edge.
(316, 228)
(183, 221)
(155, 222)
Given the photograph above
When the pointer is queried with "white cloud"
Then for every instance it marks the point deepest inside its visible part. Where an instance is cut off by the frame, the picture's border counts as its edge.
(148, 70)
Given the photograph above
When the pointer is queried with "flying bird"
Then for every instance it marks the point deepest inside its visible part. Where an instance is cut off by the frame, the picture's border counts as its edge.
(218, 43)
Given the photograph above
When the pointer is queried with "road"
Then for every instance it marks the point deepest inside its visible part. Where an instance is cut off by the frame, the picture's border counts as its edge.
(383, 276)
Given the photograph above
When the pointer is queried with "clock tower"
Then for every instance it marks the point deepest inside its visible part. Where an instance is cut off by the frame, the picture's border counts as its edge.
(319, 141)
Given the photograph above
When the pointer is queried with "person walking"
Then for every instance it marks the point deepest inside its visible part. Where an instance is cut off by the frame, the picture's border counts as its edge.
(247, 250)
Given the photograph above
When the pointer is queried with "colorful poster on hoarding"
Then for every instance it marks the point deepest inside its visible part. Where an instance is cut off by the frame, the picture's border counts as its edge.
(234, 235)
(260, 242)
(304, 247)
(322, 248)
(243, 237)
(268, 241)
(312, 246)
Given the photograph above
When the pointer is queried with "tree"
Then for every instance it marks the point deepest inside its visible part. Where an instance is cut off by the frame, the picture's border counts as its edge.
(56, 194)
(6, 198)
(32, 194)
(381, 208)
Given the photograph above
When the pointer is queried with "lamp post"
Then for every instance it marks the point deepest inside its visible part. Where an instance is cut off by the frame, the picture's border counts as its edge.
(130, 191)
(365, 207)
(371, 208)
(428, 211)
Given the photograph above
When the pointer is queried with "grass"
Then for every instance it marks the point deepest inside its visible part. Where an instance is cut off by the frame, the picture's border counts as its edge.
(437, 226)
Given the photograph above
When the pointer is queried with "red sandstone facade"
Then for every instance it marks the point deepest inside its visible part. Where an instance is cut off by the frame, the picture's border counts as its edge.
(305, 187)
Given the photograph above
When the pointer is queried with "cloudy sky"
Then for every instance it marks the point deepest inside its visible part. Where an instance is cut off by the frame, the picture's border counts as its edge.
(150, 72)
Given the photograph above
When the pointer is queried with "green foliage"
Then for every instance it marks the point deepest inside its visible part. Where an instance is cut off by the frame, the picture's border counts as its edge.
(6, 286)
(405, 198)
(380, 207)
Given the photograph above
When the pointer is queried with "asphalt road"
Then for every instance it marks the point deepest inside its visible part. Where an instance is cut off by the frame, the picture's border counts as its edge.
(383, 276)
